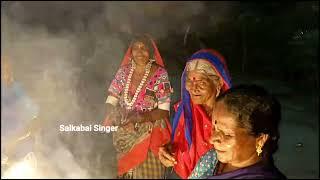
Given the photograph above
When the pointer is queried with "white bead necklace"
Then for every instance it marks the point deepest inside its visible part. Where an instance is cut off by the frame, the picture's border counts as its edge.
(143, 80)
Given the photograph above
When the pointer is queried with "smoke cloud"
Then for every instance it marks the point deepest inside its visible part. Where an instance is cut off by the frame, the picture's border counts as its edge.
(65, 55)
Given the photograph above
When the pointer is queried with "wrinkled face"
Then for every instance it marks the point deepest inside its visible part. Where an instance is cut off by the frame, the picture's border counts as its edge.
(140, 53)
(200, 87)
(233, 144)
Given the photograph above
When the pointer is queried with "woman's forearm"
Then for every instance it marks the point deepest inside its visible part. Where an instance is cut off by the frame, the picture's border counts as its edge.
(109, 108)
(152, 115)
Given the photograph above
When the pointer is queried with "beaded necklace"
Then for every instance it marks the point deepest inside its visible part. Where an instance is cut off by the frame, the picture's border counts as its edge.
(143, 80)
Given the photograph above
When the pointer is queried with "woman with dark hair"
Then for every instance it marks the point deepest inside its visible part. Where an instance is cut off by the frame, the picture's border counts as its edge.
(246, 133)
(139, 103)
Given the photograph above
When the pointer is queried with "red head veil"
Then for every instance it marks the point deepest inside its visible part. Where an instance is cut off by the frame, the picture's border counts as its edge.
(159, 135)
(157, 56)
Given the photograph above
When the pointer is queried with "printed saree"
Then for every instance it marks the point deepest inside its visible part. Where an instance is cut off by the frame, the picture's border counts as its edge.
(137, 148)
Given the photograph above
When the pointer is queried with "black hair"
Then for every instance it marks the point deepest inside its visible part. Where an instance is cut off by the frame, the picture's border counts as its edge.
(146, 41)
(257, 111)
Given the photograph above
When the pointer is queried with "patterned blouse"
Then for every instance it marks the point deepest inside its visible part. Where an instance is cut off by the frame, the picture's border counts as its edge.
(155, 93)
(205, 166)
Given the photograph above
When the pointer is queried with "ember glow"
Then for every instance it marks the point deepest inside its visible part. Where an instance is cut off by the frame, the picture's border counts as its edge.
(26, 168)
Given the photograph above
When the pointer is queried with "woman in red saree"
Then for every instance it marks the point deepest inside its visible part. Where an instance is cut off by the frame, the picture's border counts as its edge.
(139, 103)
(204, 77)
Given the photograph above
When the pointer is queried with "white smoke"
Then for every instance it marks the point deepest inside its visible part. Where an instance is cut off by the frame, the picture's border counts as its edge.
(66, 53)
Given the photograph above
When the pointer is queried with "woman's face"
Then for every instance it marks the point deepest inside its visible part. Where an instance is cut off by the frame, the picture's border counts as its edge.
(140, 53)
(234, 145)
(201, 88)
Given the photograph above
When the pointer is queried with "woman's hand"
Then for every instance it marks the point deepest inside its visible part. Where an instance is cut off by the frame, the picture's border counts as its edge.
(166, 158)
(113, 114)
(149, 116)
(135, 117)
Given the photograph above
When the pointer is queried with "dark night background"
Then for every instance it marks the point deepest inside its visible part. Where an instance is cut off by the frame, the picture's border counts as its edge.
(66, 53)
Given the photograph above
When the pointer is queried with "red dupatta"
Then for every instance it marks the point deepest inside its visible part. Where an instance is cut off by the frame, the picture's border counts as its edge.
(127, 57)
(158, 137)
(188, 157)
(191, 125)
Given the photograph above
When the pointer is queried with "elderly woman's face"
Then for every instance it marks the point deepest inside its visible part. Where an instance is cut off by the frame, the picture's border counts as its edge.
(200, 87)
(140, 53)
(233, 144)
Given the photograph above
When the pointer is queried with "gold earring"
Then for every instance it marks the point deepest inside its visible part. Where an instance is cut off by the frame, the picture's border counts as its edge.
(259, 149)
